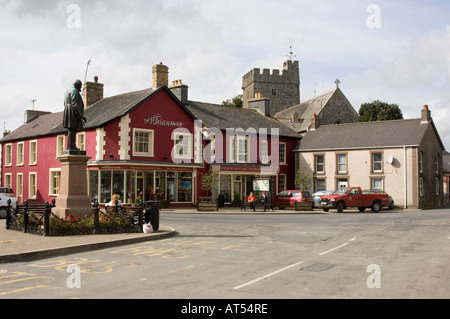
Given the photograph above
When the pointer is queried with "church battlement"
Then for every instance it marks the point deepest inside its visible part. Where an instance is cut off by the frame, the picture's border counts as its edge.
(282, 88)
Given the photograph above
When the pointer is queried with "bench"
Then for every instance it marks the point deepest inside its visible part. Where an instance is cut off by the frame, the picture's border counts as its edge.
(257, 205)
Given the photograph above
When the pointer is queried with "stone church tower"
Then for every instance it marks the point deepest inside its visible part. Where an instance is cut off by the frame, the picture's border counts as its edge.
(283, 90)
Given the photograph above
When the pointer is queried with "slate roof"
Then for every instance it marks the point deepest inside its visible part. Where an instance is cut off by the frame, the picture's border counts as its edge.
(305, 111)
(223, 117)
(111, 108)
(381, 134)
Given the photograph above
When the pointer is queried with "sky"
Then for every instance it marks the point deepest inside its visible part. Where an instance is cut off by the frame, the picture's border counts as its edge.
(394, 51)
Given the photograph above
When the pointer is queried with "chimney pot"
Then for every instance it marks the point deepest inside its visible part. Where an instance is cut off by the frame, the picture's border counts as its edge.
(96, 79)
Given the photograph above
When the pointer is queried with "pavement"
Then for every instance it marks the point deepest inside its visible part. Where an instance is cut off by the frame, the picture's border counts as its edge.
(18, 247)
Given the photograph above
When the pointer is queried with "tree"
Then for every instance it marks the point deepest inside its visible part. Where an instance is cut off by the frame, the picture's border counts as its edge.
(207, 182)
(237, 101)
(379, 111)
(302, 180)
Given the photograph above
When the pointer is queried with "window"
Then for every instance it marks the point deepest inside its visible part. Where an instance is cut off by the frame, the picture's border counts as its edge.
(232, 149)
(143, 143)
(282, 153)
(80, 141)
(319, 164)
(320, 185)
(274, 91)
(264, 152)
(437, 163)
(377, 162)
(421, 190)
(20, 148)
(8, 181)
(377, 184)
(55, 179)
(59, 145)
(32, 192)
(421, 162)
(281, 182)
(8, 155)
(242, 149)
(183, 145)
(342, 163)
(33, 152)
(19, 187)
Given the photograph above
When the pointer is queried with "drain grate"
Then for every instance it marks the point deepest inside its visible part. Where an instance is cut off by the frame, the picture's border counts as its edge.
(318, 267)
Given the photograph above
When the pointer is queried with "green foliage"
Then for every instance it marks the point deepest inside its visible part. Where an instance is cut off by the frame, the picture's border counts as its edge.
(302, 180)
(237, 101)
(379, 111)
(207, 182)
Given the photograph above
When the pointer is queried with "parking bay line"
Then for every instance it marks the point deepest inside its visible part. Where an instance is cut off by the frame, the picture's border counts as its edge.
(267, 276)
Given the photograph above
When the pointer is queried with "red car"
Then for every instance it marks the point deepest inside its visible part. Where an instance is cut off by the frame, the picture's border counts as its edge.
(290, 197)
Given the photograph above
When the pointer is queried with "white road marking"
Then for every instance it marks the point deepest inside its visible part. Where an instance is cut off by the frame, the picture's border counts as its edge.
(266, 276)
(329, 251)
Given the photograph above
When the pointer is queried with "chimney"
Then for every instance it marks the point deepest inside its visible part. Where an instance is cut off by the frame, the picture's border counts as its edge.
(30, 115)
(426, 114)
(160, 75)
(180, 90)
(261, 104)
(315, 123)
(92, 92)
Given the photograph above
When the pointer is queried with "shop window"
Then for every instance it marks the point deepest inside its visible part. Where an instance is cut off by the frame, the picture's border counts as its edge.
(93, 185)
(184, 187)
(281, 182)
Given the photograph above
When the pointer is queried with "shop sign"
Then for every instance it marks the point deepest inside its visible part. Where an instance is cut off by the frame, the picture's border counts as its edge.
(158, 120)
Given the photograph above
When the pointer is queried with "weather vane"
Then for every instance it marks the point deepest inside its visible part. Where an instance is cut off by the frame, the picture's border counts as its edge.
(291, 54)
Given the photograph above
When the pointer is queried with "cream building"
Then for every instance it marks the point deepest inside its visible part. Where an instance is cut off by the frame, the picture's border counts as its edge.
(400, 157)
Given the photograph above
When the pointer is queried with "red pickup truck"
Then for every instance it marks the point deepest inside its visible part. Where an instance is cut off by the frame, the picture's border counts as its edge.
(353, 197)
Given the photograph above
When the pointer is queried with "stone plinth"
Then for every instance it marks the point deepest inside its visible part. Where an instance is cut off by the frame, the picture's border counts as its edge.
(73, 198)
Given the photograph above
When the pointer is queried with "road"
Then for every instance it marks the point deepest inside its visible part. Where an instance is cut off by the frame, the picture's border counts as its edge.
(265, 256)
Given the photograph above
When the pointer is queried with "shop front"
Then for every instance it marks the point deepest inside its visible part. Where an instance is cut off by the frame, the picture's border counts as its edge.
(236, 182)
(174, 185)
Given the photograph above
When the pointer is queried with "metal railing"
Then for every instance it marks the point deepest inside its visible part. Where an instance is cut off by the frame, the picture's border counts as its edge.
(40, 220)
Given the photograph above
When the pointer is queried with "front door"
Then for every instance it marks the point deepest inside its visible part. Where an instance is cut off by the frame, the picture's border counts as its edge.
(342, 182)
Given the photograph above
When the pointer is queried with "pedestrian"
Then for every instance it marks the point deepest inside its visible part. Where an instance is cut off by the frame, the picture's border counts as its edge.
(251, 199)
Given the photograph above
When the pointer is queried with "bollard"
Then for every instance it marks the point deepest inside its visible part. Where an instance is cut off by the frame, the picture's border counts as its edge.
(96, 218)
(8, 214)
(25, 217)
(152, 214)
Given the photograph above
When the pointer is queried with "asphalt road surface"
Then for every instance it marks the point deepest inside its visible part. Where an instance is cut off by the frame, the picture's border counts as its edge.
(262, 256)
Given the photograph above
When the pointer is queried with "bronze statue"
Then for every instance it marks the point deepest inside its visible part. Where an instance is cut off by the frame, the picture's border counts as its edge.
(73, 119)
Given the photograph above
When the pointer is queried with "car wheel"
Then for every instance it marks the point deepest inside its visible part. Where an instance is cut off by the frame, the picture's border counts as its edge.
(340, 207)
(376, 206)
(3, 212)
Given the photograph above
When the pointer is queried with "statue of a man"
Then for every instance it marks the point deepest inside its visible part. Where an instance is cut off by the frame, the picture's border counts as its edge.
(73, 119)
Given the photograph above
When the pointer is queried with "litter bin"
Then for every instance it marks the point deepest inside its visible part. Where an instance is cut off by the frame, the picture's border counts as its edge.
(221, 200)
(152, 213)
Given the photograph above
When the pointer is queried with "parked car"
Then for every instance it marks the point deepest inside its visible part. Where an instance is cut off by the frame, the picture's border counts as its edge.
(317, 195)
(391, 200)
(346, 197)
(288, 198)
(5, 194)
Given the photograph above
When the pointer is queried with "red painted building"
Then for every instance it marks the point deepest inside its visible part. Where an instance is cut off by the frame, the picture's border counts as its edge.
(153, 141)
